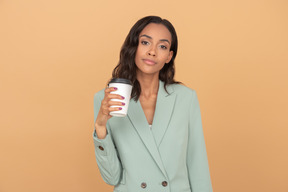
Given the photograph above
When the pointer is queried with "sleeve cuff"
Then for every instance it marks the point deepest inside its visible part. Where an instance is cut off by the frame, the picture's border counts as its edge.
(102, 146)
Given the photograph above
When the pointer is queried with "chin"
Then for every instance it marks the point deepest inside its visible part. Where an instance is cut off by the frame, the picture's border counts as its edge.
(147, 72)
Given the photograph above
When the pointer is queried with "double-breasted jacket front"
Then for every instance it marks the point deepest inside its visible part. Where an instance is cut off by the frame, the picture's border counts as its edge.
(169, 157)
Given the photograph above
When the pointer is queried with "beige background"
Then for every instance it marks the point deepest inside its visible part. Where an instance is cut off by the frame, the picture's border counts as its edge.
(54, 55)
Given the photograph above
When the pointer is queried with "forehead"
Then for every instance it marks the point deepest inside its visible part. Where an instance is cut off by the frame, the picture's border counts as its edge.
(157, 31)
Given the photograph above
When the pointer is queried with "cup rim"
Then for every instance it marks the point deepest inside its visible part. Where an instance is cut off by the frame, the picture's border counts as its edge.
(120, 80)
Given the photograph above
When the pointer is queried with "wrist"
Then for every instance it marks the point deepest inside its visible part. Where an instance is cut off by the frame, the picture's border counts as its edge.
(101, 131)
(100, 125)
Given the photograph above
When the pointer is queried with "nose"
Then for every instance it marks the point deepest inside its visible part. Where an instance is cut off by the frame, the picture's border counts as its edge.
(152, 51)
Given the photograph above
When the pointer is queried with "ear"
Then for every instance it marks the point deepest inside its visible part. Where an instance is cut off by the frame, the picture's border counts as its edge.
(169, 57)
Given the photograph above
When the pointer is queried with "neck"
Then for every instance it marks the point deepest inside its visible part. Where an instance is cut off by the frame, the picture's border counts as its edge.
(149, 85)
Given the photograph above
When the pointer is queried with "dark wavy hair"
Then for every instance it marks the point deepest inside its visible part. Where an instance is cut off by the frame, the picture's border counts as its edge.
(126, 67)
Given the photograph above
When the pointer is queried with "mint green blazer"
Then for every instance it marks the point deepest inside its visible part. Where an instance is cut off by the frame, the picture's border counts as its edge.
(170, 157)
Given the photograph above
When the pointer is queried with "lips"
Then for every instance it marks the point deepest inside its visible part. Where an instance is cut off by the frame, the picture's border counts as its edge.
(149, 62)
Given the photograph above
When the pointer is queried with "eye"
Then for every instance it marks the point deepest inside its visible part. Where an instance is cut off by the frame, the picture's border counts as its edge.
(144, 42)
(163, 47)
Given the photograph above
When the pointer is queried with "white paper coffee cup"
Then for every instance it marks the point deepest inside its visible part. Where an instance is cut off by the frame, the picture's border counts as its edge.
(124, 88)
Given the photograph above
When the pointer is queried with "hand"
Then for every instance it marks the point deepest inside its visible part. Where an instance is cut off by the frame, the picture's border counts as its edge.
(106, 108)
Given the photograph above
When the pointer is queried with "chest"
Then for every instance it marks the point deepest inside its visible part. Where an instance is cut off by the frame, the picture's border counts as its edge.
(148, 106)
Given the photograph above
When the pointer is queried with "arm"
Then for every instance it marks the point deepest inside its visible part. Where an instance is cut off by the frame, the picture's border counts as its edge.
(106, 154)
(197, 161)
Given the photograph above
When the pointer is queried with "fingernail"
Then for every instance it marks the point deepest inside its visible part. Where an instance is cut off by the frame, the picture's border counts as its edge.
(123, 103)
(120, 108)
(115, 88)
(123, 97)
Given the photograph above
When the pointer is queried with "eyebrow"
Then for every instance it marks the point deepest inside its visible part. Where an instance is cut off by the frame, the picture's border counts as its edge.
(151, 38)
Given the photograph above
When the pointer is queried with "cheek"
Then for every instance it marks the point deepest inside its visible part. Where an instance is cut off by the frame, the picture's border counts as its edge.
(165, 57)
(138, 52)
(136, 57)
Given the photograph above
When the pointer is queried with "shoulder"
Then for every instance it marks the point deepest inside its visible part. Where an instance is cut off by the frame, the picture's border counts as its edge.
(182, 90)
(99, 95)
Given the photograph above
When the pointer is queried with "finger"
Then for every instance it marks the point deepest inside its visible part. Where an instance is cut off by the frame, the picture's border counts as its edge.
(115, 108)
(117, 103)
(104, 102)
(109, 97)
(105, 109)
(115, 96)
(110, 89)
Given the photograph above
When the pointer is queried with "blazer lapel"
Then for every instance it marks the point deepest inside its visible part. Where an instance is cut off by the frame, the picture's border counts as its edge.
(163, 111)
(138, 120)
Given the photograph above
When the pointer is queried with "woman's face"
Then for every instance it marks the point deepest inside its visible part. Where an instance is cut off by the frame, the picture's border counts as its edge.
(153, 49)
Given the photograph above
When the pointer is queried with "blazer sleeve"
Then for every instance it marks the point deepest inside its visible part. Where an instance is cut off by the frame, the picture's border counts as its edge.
(197, 162)
(106, 153)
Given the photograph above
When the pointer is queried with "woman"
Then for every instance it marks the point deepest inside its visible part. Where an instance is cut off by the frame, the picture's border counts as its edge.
(159, 145)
